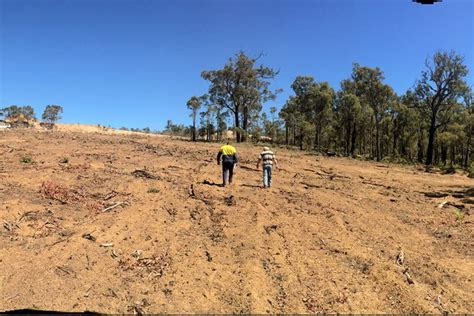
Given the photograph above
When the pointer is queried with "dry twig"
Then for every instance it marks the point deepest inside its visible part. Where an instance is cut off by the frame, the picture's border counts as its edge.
(114, 206)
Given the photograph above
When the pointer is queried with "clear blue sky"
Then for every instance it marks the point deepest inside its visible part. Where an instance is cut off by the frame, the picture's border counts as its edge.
(135, 63)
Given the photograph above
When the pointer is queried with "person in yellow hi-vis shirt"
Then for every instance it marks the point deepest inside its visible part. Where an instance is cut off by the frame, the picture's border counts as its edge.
(228, 154)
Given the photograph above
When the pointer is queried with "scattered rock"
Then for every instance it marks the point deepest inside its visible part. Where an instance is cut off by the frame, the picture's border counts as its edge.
(270, 228)
(136, 254)
(408, 276)
(89, 237)
(208, 255)
(230, 201)
(400, 258)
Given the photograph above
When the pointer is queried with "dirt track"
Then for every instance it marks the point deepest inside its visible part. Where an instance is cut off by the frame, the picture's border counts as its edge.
(325, 238)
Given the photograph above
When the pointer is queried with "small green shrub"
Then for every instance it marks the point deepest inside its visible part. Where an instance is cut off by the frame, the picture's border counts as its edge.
(395, 159)
(153, 190)
(26, 159)
(459, 215)
(471, 171)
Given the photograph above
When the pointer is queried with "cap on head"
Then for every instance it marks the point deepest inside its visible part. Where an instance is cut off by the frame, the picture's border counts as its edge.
(266, 148)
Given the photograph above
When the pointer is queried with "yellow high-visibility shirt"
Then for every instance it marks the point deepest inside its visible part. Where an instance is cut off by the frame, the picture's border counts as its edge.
(228, 150)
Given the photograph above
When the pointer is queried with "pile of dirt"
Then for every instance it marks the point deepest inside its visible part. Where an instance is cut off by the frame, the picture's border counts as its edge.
(137, 224)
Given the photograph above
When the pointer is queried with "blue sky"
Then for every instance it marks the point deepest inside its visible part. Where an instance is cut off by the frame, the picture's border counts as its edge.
(136, 63)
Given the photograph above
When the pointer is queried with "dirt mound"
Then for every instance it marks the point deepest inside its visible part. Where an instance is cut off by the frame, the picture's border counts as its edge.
(136, 224)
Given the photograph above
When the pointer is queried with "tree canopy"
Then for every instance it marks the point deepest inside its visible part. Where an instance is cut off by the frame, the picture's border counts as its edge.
(432, 122)
(240, 88)
(52, 113)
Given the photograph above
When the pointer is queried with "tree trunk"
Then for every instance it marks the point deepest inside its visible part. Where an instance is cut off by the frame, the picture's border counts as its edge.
(431, 136)
(468, 150)
(453, 155)
(237, 125)
(395, 138)
(347, 139)
(286, 134)
(420, 146)
(245, 124)
(377, 140)
(301, 138)
(294, 135)
(353, 139)
(194, 127)
(444, 154)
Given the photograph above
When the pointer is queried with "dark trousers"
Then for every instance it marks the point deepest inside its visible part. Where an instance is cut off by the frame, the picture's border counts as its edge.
(227, 168)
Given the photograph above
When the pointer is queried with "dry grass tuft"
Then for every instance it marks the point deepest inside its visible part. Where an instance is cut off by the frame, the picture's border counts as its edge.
(58, 192)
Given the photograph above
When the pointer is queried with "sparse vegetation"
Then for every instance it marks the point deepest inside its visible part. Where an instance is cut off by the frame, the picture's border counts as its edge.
(58, 192)
(176, 129)
(153, 190)
(459, 215)
(19, 116)
(26, 159)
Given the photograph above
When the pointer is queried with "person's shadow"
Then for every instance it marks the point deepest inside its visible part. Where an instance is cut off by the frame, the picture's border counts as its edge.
(250, 185)
(248, 168)
(212, 183)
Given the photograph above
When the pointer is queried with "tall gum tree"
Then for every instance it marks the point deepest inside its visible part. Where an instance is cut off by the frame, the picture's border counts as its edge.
(194, 104)
(369, 87)
(439, 88)
(241, 87)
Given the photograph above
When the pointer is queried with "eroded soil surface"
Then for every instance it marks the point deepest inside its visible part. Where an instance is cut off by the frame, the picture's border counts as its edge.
(135, 224)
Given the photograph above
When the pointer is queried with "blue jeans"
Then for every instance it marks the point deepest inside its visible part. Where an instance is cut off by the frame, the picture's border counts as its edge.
(267, 175)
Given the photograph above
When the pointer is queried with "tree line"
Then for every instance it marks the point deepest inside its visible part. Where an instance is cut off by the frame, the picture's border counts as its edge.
(432, 122)
(24, 116)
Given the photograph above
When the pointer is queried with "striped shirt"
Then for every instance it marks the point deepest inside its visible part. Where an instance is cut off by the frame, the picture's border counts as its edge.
(267, 157)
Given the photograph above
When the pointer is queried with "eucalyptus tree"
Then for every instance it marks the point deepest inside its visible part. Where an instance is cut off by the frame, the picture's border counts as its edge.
(52, 113)
(441, 85)
(194, 104)
(348, 112)
(369, 87)
(241, 87)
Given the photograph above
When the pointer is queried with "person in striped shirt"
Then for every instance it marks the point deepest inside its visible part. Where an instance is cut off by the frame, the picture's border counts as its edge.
(268, 158)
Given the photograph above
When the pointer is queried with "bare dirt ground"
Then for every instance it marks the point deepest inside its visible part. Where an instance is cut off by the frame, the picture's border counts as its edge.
(135, 224)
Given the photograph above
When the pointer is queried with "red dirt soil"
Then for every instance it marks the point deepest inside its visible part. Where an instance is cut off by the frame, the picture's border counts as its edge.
(325, 238)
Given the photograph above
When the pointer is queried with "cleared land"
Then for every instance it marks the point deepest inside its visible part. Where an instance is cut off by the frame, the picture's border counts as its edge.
(129, 223)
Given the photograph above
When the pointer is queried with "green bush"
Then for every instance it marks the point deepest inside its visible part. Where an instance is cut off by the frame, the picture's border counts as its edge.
(26, 159)
(153, 190)
(459, 215)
